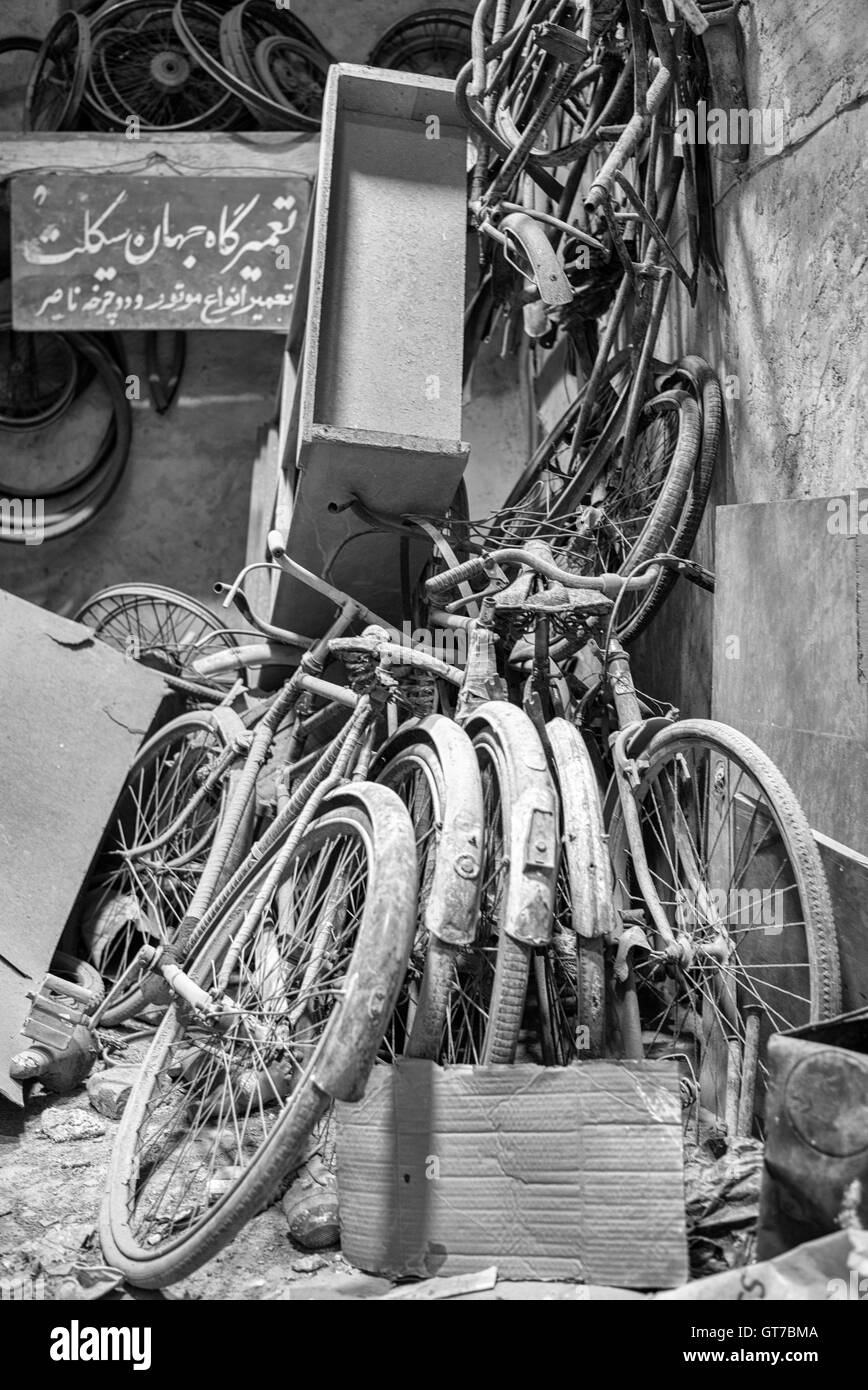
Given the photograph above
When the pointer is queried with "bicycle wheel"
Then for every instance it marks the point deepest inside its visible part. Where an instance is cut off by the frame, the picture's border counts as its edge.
(38, 378)
(226, 1098)
(479, 988)
(572, 979)
(14, 77)
(160, 627)
(741, 883)
(131, 901)
(529, 511)
(75, 499)
(56, 83)
(436, 42)
(431, 765)
(637, 609)
(292, 74)
(140, 70)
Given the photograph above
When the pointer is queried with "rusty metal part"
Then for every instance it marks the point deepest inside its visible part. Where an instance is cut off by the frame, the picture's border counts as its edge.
(816, 1154)
(63, 1048)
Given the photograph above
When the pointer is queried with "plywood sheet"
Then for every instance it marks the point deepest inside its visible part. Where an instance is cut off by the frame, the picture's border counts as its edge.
(73, 714)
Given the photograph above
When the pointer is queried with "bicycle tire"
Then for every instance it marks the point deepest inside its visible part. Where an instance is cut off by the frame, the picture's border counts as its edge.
(20, 43)
(56, 407)
(265, 57)
(373, 820)
(79, 972)
(116, 616)
(584, 910)
(802, 905)
(668, 505)
(73, 29)
(95, 486)
(110, 109)
(705, 386)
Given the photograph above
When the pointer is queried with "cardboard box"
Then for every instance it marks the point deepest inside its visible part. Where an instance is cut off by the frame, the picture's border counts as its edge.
(546, 1172)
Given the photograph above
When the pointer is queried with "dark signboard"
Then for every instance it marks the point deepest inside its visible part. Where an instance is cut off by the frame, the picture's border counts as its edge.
(102, 251)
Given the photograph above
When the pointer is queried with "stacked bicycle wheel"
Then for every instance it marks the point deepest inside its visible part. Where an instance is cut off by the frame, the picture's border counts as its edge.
(67, 423)
(139, 66)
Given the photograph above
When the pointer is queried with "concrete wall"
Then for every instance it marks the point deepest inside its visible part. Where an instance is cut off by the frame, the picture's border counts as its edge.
(789, 337)
(180, 514)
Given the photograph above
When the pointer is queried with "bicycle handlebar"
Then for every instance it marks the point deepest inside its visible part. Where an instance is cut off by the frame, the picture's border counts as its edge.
(609, 584)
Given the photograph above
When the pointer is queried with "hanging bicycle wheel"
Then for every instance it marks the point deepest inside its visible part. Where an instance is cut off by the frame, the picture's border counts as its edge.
(431, 765)
(635, 507)
(15, 70)
(59, 477)
(242, 30)
(531, 509)
(434, 42)
(637, 608)
(38, 377)
(147, 867)
(230, 1091)
(570, 975)
(740, 881)
(292, 74)
(57, 80)
(140, 69)
(161, 628)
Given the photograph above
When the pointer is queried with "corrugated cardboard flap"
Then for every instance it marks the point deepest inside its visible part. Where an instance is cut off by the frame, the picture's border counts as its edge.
(549, 1173)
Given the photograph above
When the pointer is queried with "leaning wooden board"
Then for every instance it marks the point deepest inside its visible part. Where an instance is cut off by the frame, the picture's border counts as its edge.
(73, 714)
(107, 251)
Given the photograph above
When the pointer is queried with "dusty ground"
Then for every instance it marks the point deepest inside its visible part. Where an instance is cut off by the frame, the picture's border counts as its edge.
(50, 1195)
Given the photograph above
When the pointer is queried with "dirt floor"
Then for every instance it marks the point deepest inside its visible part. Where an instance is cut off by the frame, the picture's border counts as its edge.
(55, 1152)
(50, 1194)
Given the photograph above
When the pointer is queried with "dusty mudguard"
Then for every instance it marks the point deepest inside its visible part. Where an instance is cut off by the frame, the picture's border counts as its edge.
(533, 821)
(453, 899)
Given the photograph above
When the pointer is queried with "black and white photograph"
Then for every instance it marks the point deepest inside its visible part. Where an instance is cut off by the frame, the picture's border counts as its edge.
(434, 668)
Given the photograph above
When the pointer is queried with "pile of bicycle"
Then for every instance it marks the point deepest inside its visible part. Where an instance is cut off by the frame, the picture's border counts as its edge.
(486, 845)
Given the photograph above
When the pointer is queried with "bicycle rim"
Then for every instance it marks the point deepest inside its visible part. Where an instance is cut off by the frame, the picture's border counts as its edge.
(222, 1107)
(159, 627)
(136, 900)
(740, 879)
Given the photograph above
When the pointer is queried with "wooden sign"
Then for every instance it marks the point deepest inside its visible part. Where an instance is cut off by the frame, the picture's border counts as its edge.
(103, 251)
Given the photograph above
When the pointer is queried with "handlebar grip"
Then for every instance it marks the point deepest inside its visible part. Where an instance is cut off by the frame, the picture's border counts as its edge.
(450, 579)
(276, 547)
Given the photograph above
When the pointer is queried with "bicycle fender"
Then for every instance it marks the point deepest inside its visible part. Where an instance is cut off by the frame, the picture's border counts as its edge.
(453, 896)
(546, 269)
(592, 911)
(534, 844)
(354, 1033)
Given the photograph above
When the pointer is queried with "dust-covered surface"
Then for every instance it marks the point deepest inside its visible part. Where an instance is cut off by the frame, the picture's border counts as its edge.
(50, 1195)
